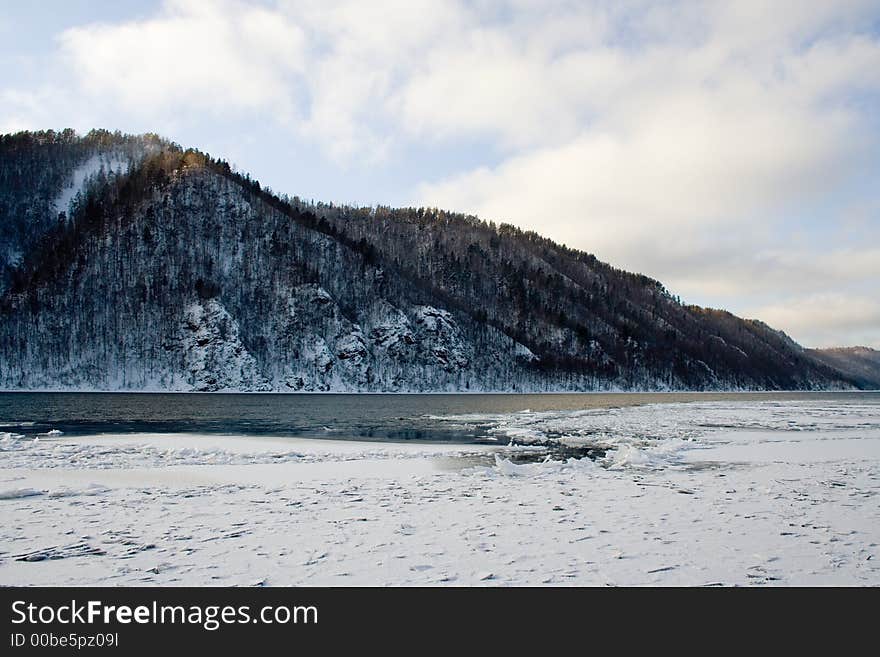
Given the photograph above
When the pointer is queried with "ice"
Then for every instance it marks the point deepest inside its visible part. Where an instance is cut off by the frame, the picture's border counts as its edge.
(18, 493)
(505, 467)
(706, 493)
(91, 489)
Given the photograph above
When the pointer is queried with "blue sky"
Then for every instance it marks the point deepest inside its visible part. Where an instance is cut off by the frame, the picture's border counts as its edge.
(731, 150)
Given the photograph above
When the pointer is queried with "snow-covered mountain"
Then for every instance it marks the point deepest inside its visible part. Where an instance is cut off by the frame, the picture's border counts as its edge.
(128, 263)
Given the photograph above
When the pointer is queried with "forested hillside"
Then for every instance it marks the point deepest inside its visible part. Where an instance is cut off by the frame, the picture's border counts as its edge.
(860, 364)
(131, 263)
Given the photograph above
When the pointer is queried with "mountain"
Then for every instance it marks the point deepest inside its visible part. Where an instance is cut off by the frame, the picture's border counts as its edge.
(129, 263)
(860, 364)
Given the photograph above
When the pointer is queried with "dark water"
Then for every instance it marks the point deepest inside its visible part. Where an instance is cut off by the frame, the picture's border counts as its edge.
(335, 416)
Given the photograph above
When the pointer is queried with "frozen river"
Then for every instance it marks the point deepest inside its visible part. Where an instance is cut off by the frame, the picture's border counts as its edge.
(669, 489)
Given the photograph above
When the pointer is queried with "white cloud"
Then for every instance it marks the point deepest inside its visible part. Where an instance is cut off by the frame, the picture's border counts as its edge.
(22, 108)
(360, 54)
(200, 56)
(687, 149)
(685, 161)
(722, 274)
(820, 319)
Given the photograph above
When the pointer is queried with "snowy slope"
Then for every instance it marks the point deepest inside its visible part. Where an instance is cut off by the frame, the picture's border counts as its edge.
(105, 162)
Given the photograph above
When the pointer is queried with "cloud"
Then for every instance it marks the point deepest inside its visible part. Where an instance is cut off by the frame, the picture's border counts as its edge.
(671, 135)
(686, 161)
(22, 108)
(213, 57)
(323, 71)
(706, 147)
(820, 319)
(720, 275)
(361, 53)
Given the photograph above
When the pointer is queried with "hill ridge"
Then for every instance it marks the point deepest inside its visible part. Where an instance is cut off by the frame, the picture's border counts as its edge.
(281, 294)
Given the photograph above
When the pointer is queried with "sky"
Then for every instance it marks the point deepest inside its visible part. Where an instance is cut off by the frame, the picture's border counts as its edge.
(730, 150)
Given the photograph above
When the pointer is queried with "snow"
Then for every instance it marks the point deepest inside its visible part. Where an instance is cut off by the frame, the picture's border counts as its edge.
(524, 352)
(18, 493)
(706, 493)
(81, 175)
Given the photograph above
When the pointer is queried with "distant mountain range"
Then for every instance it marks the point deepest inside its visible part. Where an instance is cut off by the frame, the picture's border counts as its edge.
(129, 263)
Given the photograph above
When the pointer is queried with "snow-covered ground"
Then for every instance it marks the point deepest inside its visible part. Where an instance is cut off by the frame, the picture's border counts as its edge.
(706, 493)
